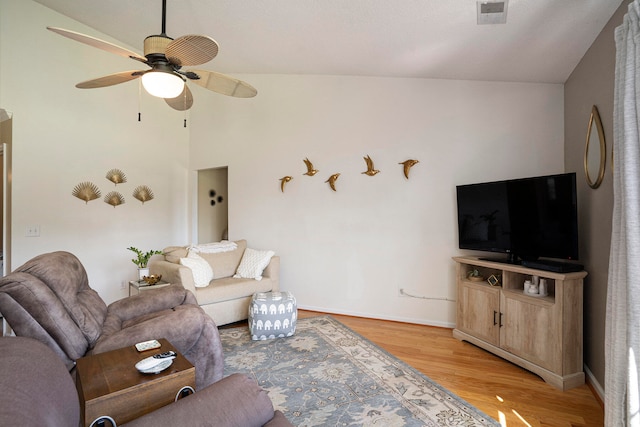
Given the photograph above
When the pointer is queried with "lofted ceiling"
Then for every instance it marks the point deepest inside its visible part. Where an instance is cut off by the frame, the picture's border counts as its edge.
(542, 40)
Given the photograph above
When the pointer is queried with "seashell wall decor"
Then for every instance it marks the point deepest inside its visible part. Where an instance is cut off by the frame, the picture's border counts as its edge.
(143, 193)
(86, 191)
(116, 176)
(114, 199)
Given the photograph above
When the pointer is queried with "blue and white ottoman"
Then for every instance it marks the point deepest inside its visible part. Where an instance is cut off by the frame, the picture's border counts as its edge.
(272, 315)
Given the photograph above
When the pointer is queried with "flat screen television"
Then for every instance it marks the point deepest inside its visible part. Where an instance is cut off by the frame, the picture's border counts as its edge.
(527, 218)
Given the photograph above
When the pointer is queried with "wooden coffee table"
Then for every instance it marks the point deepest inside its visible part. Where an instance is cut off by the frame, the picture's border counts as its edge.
(109, 384)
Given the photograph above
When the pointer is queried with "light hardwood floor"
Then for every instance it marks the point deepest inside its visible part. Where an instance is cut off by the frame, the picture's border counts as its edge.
(500, 389)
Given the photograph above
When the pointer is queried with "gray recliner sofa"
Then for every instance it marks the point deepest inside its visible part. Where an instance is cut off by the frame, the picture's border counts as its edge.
(49, 299)
(37, 390)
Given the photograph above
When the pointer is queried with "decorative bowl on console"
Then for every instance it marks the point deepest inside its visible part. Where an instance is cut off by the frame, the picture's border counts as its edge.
(152, 279)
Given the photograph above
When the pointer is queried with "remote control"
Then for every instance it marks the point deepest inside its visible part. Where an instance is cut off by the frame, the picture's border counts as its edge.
(155, 360)
(147, 345)
(166, 354)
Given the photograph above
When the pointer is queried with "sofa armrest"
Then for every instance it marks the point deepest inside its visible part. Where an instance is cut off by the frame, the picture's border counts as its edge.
(235, 400)
(174, 273)
(150, 301)
(272, 272)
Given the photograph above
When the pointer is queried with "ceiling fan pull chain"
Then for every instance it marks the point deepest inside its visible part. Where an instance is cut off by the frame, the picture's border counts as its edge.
(185, 109)
(139, 97)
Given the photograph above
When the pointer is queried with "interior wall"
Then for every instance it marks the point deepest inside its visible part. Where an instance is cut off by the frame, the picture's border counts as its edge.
(6, 128)
(63, 136)
(592, 83)
(1, 194)
(350, 251)
(212, 205)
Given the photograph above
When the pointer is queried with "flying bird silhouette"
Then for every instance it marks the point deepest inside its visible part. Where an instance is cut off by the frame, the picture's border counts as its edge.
(283, 181)
(310, 170)
(332, 181)
(370, 168)
(408, 164)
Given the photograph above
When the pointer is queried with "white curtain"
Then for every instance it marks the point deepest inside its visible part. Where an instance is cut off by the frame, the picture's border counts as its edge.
(622, 338)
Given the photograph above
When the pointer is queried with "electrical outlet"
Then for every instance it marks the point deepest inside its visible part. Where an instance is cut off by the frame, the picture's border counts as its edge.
(32, 231)
(123, 285)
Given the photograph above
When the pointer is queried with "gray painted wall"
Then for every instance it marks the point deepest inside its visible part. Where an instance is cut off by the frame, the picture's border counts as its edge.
(592, 83)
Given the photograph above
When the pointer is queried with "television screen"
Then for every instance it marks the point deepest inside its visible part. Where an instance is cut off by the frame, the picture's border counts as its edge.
(527, 218)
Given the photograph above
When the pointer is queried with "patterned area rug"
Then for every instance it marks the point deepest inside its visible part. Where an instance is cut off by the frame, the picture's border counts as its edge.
(328, 375)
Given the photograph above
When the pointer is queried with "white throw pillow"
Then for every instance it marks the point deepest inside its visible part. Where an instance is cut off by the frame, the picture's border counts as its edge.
(201, 269)
(253, 263)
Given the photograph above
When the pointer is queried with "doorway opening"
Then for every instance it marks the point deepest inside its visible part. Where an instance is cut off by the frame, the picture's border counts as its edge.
(213, 212)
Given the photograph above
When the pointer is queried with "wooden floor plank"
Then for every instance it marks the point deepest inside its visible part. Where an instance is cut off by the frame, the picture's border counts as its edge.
(502, 390)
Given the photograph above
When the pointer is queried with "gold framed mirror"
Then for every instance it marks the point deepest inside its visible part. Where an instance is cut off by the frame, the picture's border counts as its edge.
(595, 152)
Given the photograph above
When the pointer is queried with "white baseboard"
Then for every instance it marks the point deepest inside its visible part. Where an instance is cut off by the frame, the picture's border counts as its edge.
(377, 316)
(594, 382)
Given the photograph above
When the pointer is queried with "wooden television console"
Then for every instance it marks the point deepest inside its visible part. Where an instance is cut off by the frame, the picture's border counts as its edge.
(542, 334)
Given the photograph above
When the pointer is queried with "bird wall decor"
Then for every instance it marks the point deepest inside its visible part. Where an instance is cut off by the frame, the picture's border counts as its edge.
(310, 170)
(332, 181)
(371, 171)
(408, 164)
(283, 181)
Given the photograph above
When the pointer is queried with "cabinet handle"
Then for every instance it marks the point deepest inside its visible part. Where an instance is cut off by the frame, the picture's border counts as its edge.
(494, 318)
(501, 320)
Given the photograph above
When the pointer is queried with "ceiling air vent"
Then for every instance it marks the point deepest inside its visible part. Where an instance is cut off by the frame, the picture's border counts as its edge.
(492, 12)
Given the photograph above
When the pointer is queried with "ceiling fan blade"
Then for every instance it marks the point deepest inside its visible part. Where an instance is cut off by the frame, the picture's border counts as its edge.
(111, 79)
(182, 102)
(191, 50)
(100, 44)
(222, 83)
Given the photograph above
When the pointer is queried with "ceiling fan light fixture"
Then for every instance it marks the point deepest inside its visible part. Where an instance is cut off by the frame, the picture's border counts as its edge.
(162, 84)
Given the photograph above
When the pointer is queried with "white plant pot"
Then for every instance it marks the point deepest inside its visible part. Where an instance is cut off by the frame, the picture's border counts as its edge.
(142, 272)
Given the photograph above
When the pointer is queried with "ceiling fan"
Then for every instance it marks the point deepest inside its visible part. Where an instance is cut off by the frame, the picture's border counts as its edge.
(166, 57)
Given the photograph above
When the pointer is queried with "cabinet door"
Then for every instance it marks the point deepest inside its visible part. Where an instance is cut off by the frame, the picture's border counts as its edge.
(530, 330)
(478, 311)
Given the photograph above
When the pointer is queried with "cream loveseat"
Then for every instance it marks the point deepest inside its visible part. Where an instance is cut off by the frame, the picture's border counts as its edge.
(225, 298)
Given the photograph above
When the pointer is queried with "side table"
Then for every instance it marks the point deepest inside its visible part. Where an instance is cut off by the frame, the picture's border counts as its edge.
(137, 286)
(109, 385)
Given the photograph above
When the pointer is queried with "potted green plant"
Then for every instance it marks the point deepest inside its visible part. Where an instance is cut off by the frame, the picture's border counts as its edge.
(142, 260)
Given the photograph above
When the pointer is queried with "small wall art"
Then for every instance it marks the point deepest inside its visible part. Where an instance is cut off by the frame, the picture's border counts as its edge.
(407, 165)
(116, 176)
(332, 181)
(143, 193)
(214, 199)
(86, 191)
(311, 171)
(371, 170)
(114, 199)
(284, 180)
